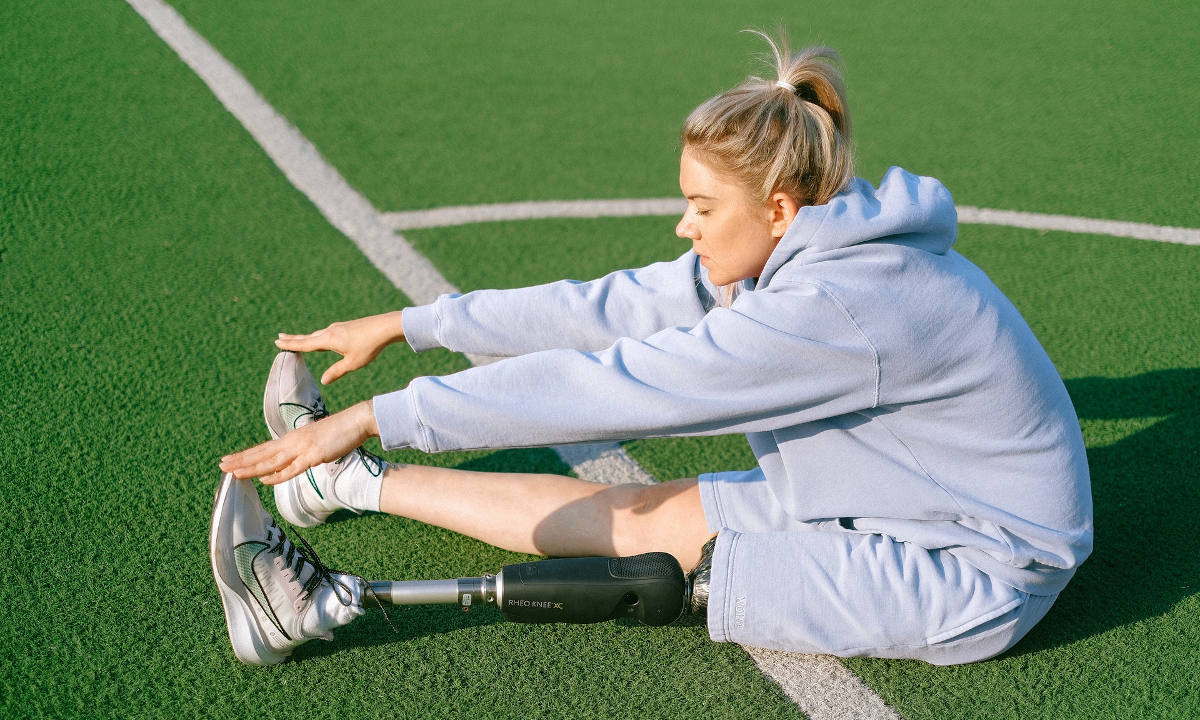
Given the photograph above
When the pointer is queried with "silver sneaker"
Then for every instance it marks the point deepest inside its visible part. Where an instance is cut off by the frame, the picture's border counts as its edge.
(292, 400)
(276, 596)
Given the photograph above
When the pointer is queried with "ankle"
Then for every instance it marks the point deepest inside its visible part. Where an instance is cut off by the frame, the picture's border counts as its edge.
(359, 486)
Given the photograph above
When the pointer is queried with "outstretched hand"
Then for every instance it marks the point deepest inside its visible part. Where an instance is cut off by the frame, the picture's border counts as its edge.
(305, 447)
(357, 341)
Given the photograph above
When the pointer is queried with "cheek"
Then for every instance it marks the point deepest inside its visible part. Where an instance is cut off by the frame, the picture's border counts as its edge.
(739, 247)
(730, 241)
(716, 234)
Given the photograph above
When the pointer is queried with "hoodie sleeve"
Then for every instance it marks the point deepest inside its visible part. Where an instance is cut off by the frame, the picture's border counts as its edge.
(735, 371)
(588, 316)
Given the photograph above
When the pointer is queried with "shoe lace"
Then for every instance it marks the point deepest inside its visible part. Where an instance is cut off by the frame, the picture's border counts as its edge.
(295, 559)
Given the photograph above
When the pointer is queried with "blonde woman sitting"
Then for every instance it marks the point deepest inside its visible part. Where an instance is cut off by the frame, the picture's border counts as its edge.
(922, 489)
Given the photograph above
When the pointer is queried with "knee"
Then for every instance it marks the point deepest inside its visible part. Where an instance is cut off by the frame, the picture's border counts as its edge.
(653, 517)
(642, 502)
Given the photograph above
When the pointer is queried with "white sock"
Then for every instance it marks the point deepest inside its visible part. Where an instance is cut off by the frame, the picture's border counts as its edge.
(328, 612)
(358, 488)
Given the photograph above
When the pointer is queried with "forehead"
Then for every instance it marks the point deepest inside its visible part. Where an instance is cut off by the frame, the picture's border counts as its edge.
(697, 179)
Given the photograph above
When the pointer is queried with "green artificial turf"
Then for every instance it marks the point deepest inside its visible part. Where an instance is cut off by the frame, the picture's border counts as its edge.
(1063, 107)
(149, 253)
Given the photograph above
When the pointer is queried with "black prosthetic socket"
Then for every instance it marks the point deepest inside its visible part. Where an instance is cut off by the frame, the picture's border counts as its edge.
(699, 579)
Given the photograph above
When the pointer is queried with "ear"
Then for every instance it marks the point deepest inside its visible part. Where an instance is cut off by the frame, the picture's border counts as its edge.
(781, 209)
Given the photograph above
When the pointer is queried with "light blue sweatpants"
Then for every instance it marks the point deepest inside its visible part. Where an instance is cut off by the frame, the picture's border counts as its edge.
(783, 584)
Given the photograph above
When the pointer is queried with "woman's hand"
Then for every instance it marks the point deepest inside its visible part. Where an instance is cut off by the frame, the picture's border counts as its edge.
(305, 447)
(357, 341)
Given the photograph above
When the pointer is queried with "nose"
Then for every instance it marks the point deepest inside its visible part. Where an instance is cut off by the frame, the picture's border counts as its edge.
(686, 229)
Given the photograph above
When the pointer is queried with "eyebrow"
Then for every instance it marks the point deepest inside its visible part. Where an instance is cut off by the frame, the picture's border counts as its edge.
(699, 197)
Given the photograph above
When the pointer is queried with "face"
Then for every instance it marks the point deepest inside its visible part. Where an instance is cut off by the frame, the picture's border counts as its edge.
(732, 234)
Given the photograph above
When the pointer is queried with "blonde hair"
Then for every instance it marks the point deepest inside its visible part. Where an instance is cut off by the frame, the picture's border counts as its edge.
(788, 135)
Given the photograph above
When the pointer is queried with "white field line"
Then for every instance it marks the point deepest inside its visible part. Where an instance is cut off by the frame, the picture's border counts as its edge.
(821, 686)
(345, 208)
(802, 677)
(299, 160)
(606, 463)
(1067, 223)
(466, 214)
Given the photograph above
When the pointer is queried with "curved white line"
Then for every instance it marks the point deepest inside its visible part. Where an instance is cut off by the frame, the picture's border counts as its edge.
(345, 208)
(467, 214)
(1068, 223)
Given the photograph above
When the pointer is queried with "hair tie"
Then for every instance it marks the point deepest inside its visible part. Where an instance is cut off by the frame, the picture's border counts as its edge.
(785, 85)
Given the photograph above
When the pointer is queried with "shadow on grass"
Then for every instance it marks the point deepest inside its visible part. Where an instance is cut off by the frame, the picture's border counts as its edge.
(1146, 490)
(411, 622)
(418, 621)
(526, 460)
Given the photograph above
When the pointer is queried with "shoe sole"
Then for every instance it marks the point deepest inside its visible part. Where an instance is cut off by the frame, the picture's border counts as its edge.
(287, 494)
(244, 632)
(274, 420)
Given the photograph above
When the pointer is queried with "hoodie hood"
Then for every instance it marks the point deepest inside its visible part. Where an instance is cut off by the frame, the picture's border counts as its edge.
(906, 209)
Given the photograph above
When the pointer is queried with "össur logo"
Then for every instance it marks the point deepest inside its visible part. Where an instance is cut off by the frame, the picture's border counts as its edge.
(546, 605)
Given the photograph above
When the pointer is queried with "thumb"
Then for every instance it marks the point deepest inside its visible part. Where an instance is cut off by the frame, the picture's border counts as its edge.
(335, 371)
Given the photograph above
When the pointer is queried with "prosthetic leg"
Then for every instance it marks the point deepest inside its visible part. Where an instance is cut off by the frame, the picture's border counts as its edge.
(278, 596)
(651, 588)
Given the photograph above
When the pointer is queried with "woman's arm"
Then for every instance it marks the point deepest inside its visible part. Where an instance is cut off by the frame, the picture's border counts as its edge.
(773, 360)
(587, 316)
(502, 323)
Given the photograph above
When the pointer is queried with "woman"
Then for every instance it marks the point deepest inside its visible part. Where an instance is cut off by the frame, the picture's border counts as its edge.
(922, 489)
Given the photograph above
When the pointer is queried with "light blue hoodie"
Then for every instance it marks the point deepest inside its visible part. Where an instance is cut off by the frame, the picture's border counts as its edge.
(883, 381)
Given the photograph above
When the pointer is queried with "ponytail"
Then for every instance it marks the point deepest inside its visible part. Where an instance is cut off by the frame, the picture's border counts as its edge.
(790, 135)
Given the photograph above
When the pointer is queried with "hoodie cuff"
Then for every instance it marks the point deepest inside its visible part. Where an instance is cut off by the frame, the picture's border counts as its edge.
(396, 416)
(420, 327)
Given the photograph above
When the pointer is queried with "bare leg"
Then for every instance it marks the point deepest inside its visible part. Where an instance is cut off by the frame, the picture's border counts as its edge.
(552, 514)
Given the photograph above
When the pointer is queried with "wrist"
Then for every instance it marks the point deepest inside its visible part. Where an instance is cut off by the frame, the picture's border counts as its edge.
(392, 327)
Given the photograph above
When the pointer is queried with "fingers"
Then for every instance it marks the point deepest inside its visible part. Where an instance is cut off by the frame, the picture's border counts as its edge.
(246, 458)
(306, 447)
(280, 459)
(293, 469)
(276, 468)
(259, 460)
(304, 343)
(269, 466)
